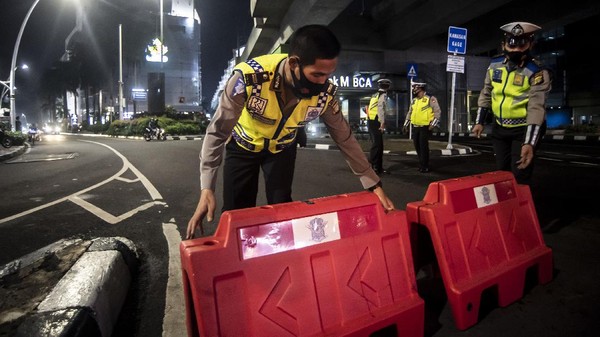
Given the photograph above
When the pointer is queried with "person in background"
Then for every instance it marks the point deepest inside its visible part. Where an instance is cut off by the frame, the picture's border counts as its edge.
(18, 127)
(154, 126)
(264, 102)
(376, 124)
(515, 90)
(423, 114)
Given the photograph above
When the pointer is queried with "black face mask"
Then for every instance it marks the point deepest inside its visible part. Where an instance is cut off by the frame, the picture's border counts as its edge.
(517, 57)
(304, 88)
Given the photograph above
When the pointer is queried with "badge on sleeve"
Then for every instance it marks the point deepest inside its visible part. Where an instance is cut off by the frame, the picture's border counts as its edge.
(239, 87)
(538, 78)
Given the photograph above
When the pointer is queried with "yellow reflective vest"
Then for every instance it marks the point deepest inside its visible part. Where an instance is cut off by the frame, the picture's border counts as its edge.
(372, 113)
(262, 124)
(422, 112)
(510, 91)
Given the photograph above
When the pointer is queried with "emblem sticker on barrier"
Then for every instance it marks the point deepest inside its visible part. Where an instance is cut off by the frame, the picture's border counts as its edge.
(277, 237)
(482, 196)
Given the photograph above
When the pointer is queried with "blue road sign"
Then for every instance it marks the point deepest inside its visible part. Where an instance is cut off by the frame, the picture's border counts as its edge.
(411, 70)
(457, 40)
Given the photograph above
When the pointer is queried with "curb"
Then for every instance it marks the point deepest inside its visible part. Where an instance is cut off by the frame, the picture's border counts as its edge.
(88, 296)
(463, 150)
(14, 151)
(547, 136)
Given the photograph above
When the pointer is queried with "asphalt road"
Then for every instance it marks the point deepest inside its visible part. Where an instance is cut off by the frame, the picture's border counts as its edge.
(563, 189)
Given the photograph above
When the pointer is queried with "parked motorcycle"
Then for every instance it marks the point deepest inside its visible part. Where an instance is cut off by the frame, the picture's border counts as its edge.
(157, 134)
(7, 140)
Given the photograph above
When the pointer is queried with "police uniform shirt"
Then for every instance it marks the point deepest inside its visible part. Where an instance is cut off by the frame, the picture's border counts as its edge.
(229, 110)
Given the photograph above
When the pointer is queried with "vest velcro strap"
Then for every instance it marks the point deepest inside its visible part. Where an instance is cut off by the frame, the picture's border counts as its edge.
(331, 89)
(257, 78)
(511, 121)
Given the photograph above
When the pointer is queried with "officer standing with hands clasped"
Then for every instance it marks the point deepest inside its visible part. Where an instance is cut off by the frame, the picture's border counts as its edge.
(515, 90)
(424, 114)
(376, 124)
(264, 102)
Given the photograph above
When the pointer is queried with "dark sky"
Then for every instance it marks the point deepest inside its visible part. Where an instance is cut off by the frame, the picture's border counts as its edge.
(224, 25)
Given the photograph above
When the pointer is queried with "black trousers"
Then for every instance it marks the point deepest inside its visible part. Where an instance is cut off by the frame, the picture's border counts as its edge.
(241, 171)
(507, 150)
(376, 152)
(421, 135)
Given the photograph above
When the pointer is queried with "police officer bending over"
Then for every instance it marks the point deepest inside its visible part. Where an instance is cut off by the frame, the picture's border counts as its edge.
(265, 101)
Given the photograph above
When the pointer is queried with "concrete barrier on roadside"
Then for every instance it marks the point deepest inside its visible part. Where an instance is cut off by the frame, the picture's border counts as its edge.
(73, 287)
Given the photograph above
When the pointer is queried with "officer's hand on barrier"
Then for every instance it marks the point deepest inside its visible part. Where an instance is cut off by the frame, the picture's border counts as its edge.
(206, 207)
(405, 129)
(385, 201)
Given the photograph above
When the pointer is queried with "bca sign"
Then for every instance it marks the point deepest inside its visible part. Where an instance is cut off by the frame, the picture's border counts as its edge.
(352, 82)
(457, 40)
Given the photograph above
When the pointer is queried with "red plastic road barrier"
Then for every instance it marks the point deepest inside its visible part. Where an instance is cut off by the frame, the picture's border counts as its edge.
(485, 233)
(334, 266)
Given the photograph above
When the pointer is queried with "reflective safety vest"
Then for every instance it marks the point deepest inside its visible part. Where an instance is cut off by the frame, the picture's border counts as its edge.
(510, 91)
(422, 112)
(373, 103)
(262, 124)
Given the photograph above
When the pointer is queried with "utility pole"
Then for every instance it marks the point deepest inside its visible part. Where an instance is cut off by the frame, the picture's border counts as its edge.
(120, 71)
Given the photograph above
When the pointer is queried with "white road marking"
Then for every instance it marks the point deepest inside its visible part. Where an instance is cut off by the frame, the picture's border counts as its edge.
(174, 319)
(154, 194)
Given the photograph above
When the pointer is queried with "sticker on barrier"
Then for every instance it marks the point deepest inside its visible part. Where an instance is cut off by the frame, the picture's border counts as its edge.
(485, 234)
(334, 266)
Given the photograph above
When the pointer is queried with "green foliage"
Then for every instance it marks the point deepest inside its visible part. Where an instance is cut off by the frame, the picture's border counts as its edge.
(120, 128)
(135, 127)
(183, 127)
(96, 128)
(18, 137)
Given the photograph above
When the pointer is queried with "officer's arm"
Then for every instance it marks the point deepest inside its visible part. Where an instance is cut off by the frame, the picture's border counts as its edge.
(437, 112)
(219, 130)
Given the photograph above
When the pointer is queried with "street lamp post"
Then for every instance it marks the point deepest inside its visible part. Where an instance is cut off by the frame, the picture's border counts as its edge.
(7, 83)
(13, 68)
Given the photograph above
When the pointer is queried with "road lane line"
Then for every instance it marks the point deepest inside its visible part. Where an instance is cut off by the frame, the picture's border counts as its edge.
(174, 319)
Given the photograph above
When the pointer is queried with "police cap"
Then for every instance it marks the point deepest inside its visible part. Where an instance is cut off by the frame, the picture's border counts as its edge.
(520, 28)
(518, 34)
(417, 83)
(384, 84)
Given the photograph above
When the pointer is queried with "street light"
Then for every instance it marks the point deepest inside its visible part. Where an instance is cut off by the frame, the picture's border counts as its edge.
(13, 67)
(7, 83)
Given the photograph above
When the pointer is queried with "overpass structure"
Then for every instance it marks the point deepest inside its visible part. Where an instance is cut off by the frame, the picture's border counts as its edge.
(386, 38)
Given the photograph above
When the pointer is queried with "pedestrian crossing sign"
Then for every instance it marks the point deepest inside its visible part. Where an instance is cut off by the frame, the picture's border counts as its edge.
(412, 70)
